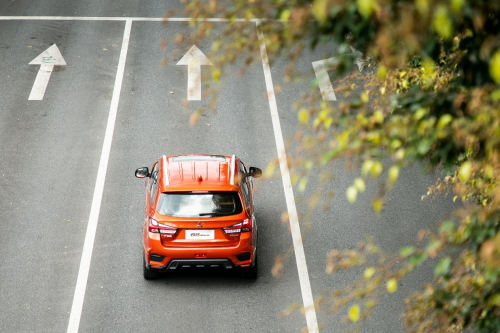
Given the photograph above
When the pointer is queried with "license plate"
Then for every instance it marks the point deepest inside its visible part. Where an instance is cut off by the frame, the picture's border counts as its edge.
(199, 234)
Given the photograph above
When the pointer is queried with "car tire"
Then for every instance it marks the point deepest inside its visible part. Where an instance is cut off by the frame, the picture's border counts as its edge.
(149, 274)
(250, 272)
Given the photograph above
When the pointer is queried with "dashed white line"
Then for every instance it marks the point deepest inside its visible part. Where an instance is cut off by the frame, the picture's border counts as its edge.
(305, 285)
(83, 273)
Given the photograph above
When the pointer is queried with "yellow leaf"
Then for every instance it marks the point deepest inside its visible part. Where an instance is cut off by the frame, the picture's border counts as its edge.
(392, 285)
(320, 10)
(367, 166)
(456, 5)
(495, 67)
(328, 122)
(382, 71)
(354, 313)
(285, 15)
(465, 171)
(379, 116)
(364, 97)
(351, 194)
(419, 114)
(269, 170)
(378, 204)
(442, 22)
(215, 75)
(365, 7)
(376, 169)
(359, 184)
(302, 184)
(303, 116)
(399, 154)
(369, 272)
(393, 173)
(422, 6)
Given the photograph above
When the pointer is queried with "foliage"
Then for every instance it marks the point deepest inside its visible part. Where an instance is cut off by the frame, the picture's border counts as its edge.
(433, 96)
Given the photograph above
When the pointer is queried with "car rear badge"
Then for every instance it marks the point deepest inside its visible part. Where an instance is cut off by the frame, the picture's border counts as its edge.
(199, 225)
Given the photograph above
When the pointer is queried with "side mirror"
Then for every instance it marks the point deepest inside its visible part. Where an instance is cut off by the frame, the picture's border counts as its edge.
(142, 172)
(255, 172)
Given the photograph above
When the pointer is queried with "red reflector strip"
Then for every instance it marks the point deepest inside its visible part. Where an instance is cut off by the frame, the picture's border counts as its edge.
(245, 265)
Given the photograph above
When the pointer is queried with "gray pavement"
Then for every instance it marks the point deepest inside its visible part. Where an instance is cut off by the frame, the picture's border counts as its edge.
(49, 157)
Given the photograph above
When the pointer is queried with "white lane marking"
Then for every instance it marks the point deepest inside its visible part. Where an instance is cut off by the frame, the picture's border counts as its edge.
(358, 56)
(194, 59)
(88, 247)
(142, 19)
(47, 60)
(321, 68)
(305, 285)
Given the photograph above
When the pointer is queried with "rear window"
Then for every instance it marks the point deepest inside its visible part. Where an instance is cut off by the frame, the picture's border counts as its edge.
(199, 204)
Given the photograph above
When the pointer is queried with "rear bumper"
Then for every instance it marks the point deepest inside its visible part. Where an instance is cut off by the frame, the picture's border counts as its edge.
(168, 258)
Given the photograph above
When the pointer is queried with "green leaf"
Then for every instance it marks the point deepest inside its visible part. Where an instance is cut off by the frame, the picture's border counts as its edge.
(443, 267)
(444, 120)
(418, 259)
(407, 251)
(447, 226)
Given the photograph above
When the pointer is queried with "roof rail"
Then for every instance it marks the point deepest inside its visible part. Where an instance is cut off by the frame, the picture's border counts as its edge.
(232, 169)
(165, 169)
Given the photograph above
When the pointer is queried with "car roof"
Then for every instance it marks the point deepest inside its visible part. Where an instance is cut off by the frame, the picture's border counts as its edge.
(198, 172)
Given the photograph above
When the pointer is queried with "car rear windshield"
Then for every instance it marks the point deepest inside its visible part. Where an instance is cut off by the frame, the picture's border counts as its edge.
(199, 204)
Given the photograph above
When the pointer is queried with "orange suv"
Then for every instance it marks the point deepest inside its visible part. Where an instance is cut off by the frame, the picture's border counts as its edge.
(199, 214)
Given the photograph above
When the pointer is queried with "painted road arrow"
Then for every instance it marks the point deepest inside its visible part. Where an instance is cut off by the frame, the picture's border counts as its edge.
(47, 60)
(194, 59)
(321, 68)
(358, 56)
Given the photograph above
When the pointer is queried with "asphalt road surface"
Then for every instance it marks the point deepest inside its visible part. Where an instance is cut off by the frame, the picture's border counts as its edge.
(67, 164)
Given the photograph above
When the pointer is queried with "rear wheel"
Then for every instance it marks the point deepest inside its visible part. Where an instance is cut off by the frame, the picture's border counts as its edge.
(250, 272)
(149, 274)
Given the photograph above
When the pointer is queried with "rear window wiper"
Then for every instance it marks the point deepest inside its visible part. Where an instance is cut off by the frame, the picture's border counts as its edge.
(214, 214)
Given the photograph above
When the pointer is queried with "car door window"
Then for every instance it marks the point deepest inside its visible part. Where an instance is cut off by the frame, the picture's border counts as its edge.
(244, 183)
(153, 183)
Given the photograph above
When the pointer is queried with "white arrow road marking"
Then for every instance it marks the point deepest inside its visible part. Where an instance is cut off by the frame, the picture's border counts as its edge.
(194, 58)
(359, 58)
(321, 68)
(47, 60)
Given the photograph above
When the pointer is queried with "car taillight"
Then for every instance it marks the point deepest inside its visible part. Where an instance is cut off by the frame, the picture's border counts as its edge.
(247, 225)
(244, 226)
(233, 228)
(159, 228)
